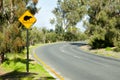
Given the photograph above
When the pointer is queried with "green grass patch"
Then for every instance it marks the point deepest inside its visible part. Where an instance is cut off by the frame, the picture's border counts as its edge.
(19, 65)
(108, 49)
(15, 68)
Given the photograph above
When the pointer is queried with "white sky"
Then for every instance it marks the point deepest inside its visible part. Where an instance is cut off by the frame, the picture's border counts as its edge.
(45, 14)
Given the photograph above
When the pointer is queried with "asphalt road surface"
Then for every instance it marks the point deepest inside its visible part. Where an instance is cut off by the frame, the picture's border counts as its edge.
(74, 64)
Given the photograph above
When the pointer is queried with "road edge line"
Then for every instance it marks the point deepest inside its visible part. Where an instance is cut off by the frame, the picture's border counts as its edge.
(48, 67)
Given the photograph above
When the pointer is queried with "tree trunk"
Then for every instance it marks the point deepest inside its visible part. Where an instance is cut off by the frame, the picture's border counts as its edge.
(2, 57)
(12, 12)
(1, 13)
(1, 6)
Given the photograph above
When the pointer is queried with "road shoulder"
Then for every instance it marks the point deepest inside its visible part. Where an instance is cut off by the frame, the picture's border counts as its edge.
(101, 52)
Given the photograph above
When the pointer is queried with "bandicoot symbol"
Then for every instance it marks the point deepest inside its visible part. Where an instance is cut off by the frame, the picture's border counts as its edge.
(27, 18)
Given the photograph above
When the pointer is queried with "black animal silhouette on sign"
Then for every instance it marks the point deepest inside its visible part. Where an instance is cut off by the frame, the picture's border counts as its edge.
(26, 18)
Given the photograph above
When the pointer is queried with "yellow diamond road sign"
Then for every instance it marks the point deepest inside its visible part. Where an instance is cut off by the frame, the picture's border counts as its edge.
(27, 19)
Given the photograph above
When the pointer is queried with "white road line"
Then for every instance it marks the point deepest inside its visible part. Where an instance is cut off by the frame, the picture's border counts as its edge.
(76, 57)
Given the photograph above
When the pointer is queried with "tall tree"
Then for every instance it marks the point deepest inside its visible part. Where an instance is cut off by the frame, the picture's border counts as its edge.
(12, 40)
(1, 6)
(71, 12)
(103, 23)
(1, 13)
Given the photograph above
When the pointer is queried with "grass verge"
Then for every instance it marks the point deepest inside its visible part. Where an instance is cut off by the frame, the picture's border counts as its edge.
(14, 68)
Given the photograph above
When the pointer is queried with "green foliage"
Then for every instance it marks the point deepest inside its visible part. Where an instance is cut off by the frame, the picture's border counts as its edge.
(32, 6)
(103, 23)
(12, 38)
(52, 21)
(69, 12)
(73, 10)
(35, 36)
(51, 37)
(97, 42)
(68, 36)
(43, 35)
(117, 49)
(59, 29)
(81, 36)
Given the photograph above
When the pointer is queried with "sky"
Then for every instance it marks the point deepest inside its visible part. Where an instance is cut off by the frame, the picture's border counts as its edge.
(45, 14)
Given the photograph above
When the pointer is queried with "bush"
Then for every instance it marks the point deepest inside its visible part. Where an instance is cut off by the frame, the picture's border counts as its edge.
(96, 42)
(51, 37)
(68, 36)
(108, 49)
(81, 36)
(117, 49)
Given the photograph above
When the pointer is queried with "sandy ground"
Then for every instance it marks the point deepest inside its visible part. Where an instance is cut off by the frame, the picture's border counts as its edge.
(103, 52)
(1, 71)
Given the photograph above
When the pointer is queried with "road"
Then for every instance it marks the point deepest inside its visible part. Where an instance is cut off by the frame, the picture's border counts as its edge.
(74, 64)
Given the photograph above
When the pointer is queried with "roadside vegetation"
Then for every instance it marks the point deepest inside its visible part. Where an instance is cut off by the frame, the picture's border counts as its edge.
(102, 26)
(107, 52)
(14, 67)
(13, 43)
(102, 29)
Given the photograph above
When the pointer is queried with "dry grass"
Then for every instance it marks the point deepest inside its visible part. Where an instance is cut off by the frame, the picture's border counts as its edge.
(103, 51)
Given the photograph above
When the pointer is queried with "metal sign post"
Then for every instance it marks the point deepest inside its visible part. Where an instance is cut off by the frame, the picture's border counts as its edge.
(27, 19)
(27, 46)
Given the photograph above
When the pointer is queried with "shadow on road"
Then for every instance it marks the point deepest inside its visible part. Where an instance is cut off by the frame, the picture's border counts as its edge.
(78, 44)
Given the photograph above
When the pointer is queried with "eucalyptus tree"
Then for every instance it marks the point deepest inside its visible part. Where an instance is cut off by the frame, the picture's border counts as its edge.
(104, 21)
(10, 29)
(71, 11)
(67, 14)
(103, 26)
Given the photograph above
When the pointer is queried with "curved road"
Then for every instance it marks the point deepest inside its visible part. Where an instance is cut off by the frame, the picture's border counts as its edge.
(74, 64)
